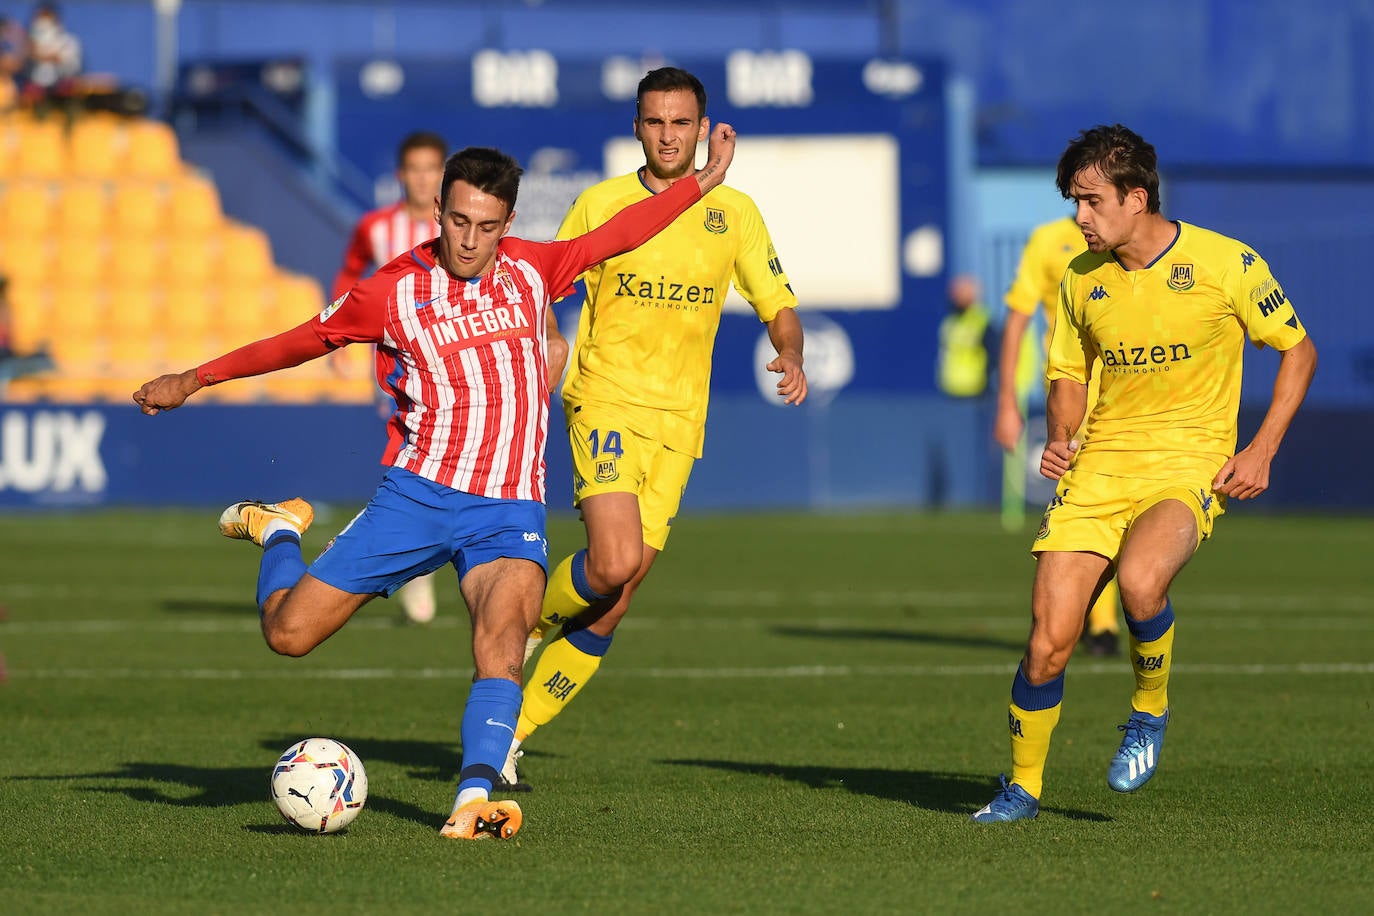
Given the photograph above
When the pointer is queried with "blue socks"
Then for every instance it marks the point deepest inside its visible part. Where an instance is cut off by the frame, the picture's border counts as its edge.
(487, 731)
(1155, 627)
(579, 579)
(282, 565)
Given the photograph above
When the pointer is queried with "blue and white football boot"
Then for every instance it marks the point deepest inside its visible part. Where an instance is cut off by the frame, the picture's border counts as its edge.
(1138, 757)
(1012, 803)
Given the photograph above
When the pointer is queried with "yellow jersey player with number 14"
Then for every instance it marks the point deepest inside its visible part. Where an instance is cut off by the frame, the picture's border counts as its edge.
(639, 380)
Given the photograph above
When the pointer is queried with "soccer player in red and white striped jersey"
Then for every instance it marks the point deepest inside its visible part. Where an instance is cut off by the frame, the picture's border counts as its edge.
(460, 325)
(382, 236)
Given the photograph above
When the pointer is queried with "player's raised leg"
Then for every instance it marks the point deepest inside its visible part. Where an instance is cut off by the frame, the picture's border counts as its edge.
(298, 611)
(1065, 583)
(418, 600)
(503, 598)
(1160, 542)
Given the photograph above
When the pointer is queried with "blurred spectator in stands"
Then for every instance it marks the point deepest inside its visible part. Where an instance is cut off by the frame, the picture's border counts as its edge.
(12, 364)
(13, 50)
(959, 460)
(54, 58)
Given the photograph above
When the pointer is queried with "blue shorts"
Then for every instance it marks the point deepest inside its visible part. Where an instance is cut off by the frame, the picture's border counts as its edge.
(413, 526)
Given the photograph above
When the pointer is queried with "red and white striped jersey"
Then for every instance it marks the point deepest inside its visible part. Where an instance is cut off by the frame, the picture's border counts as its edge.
(464, 360)
(380, 236)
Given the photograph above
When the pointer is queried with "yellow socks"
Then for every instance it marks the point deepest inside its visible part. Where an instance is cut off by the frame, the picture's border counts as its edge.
(1031, 721)
(560, 674)
(1152, 655)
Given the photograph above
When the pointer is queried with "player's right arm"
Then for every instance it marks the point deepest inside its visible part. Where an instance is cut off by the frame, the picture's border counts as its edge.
(1067, 368)
(357, 317)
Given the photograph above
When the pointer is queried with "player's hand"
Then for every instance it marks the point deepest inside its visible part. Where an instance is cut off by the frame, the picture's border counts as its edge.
(167, 392)
(1057, 457)
(1244, 476)
(1008, 426)
(792, 386)
(720, 151)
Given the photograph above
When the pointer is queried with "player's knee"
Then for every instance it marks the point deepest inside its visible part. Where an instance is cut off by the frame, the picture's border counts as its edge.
(609, 569)
(1141, 596)
(1046, 659)
(284, 641)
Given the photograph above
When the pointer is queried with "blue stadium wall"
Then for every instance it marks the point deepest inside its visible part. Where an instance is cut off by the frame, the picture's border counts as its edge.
(1263, 113)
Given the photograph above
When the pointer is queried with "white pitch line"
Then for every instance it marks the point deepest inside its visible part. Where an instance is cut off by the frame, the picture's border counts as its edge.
(750, 673)
(761, 598)
(815, 626)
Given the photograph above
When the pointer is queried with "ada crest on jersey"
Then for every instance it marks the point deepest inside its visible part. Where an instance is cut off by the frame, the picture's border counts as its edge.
(1180, 277)
(715, 221)
(332, 307)
(606, 471)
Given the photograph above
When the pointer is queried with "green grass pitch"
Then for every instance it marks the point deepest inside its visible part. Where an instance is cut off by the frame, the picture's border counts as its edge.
(798, 717)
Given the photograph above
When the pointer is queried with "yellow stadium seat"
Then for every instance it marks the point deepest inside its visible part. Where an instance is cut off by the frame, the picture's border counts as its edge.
(134, 260)
(187, 311)
(193, 206)
(152, 151)
(9, 144)
(193, 257)
(84, 207)
(96, 147)
(297, 296)
(26, 258)
(245, 313)
(78, 308)
(133, 311)
(82, 259)
(139, 208)
(28, 208)
(31, 322)
(41, 150)
(75, 354)
(245, 255)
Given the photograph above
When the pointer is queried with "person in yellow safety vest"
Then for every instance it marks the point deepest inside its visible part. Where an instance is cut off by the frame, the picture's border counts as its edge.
(962, 370)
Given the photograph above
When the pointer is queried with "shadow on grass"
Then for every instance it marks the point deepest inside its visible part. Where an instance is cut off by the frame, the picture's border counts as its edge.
(934, 639)
(953, 793)
(206, 606)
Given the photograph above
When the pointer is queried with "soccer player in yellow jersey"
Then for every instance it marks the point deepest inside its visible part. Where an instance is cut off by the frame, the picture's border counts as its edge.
(1160, 310)
(1043, 261)
(637, 386)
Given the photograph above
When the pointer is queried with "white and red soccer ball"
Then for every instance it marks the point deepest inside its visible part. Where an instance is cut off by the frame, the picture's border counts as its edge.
(319, 785)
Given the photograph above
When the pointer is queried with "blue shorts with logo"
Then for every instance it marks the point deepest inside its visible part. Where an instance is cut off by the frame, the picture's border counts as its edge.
(413, 526)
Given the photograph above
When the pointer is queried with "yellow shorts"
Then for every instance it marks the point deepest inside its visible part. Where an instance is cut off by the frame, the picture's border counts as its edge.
(1092, 512)
(608, 458)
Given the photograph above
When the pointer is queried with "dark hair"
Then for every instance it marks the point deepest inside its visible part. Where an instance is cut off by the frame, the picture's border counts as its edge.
(421, 139)
(1120, 154)
(488, 170)
(667, 79)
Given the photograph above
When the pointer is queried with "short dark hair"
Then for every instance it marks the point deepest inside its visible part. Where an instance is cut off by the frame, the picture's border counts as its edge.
(667, 79)
(1120, 154)
(488, 170)
(421, 139)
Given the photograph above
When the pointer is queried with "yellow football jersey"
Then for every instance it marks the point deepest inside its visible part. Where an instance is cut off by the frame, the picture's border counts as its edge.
(1047, 254)
(1167, 341)
(648, 327)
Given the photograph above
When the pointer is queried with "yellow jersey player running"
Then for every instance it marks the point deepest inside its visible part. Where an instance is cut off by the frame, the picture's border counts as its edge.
(638, 383)
(1160, 310)
(1047, 254)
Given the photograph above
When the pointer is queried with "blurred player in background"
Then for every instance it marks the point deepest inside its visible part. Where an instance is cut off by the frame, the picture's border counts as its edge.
(1047, 254)
(461, 325)
(388, 233)
(1160, 309)
(639, 381)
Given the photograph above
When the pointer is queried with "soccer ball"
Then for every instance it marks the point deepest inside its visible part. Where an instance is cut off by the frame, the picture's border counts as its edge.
(319, 785)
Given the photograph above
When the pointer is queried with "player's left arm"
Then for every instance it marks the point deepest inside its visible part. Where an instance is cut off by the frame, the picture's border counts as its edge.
(785, 331)
(1246, 474)
(1269, 320)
